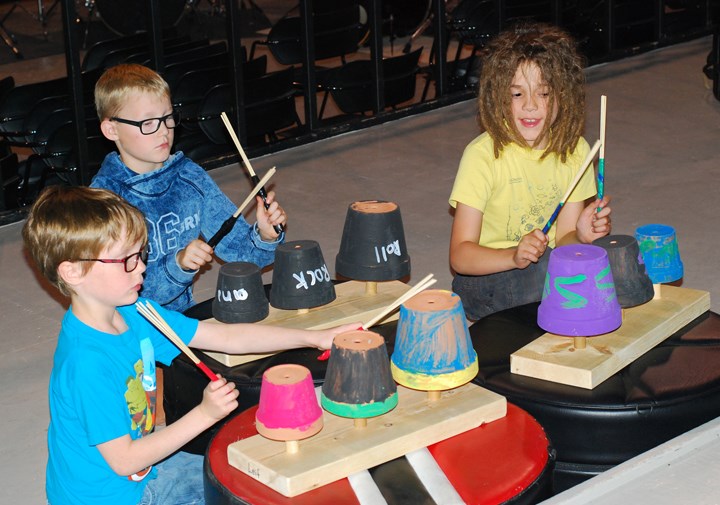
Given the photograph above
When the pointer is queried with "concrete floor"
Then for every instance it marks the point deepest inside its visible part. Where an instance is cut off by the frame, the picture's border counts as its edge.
(662, 166)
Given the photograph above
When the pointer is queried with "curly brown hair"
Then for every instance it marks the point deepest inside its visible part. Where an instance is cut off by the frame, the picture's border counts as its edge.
(555, 53)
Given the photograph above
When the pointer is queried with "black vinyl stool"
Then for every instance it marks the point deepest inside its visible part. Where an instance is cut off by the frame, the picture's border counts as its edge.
(669, 390)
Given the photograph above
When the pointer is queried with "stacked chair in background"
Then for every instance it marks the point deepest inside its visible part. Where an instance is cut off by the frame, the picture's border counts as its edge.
(36, 120)
(31, 117)
(351, 85)
(269, 108)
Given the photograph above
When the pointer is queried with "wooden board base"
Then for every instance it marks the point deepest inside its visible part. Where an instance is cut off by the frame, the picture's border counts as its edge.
(554, 358)
(340, 449)
(351, 304)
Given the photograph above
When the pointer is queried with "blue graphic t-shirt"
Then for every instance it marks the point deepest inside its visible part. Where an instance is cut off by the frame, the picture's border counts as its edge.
(103, 387)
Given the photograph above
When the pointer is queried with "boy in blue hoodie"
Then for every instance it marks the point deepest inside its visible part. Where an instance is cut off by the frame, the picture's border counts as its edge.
(178, 198)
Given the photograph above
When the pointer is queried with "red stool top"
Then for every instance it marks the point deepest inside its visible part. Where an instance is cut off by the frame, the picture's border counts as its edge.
(489, 464)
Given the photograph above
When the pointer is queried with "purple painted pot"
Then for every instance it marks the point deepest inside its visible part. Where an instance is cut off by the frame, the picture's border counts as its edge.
(579, 296)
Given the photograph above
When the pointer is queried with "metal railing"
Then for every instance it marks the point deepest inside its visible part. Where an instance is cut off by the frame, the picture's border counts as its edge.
(607, 30)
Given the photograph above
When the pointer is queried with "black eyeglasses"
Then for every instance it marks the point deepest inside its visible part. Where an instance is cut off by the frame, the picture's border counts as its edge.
(151, 125)
(130, 262)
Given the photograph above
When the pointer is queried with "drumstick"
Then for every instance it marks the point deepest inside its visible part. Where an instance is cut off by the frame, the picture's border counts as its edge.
(152, 315)
(263, 194)
(230, 222)
(601, 159)
(423, 284)
(574, 182)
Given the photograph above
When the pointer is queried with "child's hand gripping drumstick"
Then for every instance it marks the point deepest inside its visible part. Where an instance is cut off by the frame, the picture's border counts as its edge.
(230, 222)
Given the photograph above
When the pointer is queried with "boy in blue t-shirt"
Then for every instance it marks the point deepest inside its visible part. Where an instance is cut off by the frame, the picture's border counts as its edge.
(92, 245)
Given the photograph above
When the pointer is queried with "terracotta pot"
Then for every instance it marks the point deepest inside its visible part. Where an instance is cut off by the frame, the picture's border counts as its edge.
(288, 408)
(240, 295)
(433, 350)
(373, 243)
(301, 278)
(358, 382)
(579, 297)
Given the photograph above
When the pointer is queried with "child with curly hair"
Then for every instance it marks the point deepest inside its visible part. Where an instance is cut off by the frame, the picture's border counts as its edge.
(511, 178)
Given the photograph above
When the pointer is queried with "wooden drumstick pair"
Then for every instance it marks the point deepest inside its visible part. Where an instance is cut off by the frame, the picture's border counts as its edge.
(230, 222)
(599, 145)
(263, 194)
(259, 189)
(151, 314)
(420, 286)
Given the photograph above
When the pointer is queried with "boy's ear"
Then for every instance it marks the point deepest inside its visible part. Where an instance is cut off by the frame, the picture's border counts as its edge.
(70, 272)
(109, 129)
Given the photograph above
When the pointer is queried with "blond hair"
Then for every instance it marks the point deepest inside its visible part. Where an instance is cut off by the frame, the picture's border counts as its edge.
(118, 83)
(69, 223)
(561, 66)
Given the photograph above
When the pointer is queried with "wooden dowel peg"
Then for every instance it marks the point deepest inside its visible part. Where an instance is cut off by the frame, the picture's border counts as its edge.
(371, 288)
(292, 446)
(360, 422)
(657, 291)
(434, 396)
(579, 342)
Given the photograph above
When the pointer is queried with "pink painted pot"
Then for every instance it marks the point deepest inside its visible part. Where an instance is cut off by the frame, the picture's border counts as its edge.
(288, 408)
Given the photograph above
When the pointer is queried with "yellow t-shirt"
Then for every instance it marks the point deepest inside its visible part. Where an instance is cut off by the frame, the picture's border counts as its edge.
(518, 191)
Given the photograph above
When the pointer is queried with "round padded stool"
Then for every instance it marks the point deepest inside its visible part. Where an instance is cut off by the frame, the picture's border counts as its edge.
(506, 461)
(669, 390)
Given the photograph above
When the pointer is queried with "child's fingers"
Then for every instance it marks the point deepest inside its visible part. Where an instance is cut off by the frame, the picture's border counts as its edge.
(200, 250)
(215, 385)
(204, 247)
(277, 217)
(228, 399)
(601, 204)
(272, 208)
(223, 389)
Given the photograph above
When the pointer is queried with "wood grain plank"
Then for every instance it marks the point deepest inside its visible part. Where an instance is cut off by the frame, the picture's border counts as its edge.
(340, 449)
(553, 357)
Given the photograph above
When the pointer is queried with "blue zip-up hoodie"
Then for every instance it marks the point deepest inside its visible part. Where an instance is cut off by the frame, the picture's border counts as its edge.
(181, 202)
